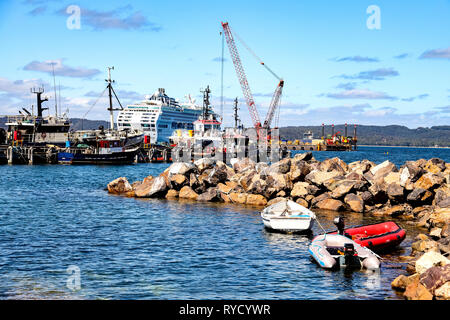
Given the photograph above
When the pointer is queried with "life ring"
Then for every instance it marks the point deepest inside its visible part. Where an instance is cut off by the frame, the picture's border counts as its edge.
(43, 135)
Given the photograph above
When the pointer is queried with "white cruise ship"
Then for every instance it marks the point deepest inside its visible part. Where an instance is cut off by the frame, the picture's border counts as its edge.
(159, 115)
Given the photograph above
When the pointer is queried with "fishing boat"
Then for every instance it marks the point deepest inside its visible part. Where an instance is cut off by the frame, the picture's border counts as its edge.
(288, 216)
(382, 236)
(103, 146)
(334, 251)
(107, 148)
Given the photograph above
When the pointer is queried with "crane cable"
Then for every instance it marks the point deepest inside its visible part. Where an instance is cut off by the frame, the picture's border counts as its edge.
(254, 55)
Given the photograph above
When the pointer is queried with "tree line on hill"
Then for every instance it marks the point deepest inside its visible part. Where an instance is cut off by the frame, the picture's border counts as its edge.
(392, 135)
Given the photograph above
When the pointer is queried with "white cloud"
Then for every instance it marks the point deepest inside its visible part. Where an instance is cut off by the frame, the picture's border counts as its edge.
(360, 94)
(60, 69)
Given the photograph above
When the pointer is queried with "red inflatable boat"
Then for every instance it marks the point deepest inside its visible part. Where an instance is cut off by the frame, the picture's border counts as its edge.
(377, 237)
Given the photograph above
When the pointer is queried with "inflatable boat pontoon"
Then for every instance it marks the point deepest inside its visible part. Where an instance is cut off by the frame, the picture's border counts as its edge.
(335, 251)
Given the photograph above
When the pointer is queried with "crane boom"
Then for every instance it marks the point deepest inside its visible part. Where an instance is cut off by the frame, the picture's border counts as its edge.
(274, 104)
(241, 75)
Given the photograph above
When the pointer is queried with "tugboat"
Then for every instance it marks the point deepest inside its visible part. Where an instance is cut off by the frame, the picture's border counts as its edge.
(207, 137)
(103, 146)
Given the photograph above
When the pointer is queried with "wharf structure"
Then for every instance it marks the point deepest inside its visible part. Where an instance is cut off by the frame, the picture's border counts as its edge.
(331, 142)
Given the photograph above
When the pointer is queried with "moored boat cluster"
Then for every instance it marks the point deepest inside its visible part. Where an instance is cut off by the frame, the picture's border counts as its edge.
(417, 192)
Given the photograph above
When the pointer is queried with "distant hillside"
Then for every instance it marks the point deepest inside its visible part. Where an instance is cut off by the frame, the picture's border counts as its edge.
(80, 124)
(381, 135)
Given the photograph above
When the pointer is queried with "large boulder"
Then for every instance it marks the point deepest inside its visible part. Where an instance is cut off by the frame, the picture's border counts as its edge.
(334, 164)
(177, 181)
(275, 183)
(442, 196)
(361, 167)
(382, 170)
(153, 188)
(302, 202)
(378, 193)
(417, 291)
(343, 187)
(415, 197)
(246, 178)
(429, 181)
(443, 292)
(354, 202)
(204, 163)
(440, 217)
(394, 211)
(237, 197)
(435, 277)
(330, 204)
(217, 175)
(120, 186)
(430, 259)
(300, 190)
(172, 194)
(319, 177)
(240, 165)
(256, 200)
(187, 193)
(212, 194)
(275, 200)
(299, 170)
(181, 168)
(401, 282)
(323, 196)
(444, 203)
(256, 185)
(434, 165)
(392, 177)
(306, 156)
(283, 166)
(395, 192)
(412, 171)
(229, 170)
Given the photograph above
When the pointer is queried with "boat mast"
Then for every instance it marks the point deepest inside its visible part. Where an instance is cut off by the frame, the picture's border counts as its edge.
(38, 92)
(111, 92)
(54, 88)
(111, 113)
(236, 116)
(206, 103)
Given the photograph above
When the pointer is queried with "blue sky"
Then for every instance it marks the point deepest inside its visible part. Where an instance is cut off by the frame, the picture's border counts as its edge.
(335, 68)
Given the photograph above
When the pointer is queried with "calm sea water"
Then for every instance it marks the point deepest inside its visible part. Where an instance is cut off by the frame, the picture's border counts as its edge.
(57, 217)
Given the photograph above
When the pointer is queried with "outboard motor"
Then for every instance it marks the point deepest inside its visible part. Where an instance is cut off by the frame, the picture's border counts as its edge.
(340, 224)
(351, 258)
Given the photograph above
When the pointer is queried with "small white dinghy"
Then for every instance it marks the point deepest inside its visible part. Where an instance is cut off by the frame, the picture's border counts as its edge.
(288, 216)
(337, 251)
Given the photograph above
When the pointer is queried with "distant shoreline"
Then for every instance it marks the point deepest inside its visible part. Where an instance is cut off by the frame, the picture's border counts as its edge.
(378, 146)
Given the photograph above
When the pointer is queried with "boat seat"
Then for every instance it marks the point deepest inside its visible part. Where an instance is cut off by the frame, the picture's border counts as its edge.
(335, 251)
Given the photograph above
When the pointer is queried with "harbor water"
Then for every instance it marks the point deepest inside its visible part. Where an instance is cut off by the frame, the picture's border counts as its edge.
(58, 222)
